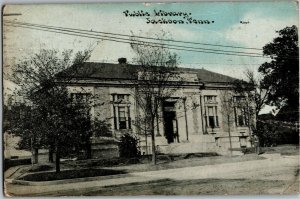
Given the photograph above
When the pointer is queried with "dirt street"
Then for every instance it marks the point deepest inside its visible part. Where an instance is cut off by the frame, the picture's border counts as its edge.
(274, 175)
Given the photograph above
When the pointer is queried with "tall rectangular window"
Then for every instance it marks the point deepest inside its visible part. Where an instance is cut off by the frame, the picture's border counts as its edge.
(240, 111)
(211, 111)
(82, 100)
(241, 119)
(212, 117)
(121, 108)
(122, 118)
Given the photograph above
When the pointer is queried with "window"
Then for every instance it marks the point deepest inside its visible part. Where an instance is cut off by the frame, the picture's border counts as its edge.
(122, 118)
(211, 111)
(240, 111)
(121, 108)
(80, 97)
(212, 117)
(240, 116)
(120, 98)
(210, 98)
(81, 100)
(239, 99)
(19, 111)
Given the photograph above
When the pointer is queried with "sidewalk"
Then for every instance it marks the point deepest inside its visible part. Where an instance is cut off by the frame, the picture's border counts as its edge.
(273, 168)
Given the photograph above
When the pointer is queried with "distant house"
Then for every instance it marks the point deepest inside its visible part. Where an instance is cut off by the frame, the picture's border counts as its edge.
(191, 120)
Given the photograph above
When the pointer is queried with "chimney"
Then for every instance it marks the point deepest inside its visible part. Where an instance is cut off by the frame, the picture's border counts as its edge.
(122, 60)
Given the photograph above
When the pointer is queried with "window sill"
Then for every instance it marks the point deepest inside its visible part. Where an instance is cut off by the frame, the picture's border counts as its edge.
(213, 131)
(211, 103)
(123, 129)
(210, 129)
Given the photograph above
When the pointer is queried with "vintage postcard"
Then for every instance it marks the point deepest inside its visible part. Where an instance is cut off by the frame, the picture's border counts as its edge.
(127, 99)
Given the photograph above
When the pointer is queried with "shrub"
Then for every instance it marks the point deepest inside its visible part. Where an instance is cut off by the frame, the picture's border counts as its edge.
(272, 134)
(128, 146)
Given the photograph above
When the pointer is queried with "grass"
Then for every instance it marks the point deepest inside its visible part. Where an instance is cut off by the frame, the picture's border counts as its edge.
(166, 163)
(42, 167)
(116, 162)
(163, 162)
(287, 149)
(88, 168)
(70, 174)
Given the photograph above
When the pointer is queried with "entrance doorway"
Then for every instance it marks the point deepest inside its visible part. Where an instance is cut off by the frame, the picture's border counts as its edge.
(170, 122)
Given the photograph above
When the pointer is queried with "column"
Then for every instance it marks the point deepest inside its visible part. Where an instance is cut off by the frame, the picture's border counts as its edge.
(201, 115)
(117, 116)
(126, 116)
(206, 117)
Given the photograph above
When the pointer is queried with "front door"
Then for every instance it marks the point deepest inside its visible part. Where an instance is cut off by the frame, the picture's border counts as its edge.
(169, 117)
(170, 122)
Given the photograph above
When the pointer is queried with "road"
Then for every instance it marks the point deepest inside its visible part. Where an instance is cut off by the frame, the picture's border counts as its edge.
(274, 175)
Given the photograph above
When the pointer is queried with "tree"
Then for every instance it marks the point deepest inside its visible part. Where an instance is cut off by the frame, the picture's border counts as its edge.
(281, 74)
(156, 78)
(24, 121)
(256, 93)
(55, 119)
(254, 99)
(227, 111)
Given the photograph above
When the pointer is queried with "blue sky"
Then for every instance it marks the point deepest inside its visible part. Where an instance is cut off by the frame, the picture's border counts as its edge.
(264, 19)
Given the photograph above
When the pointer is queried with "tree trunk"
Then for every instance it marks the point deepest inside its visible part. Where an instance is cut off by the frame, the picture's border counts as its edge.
(57, 158)
(153, 141)
(88, 149)
(229, 133)
(146, 138)
(249, 126)
(35, 155)
(51, 151)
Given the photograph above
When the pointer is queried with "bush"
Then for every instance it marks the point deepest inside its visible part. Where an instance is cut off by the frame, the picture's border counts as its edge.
(128, 146)
(273, 134)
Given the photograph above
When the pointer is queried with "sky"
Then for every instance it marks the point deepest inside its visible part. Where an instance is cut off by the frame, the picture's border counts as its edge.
(264, 19)
(260, 20)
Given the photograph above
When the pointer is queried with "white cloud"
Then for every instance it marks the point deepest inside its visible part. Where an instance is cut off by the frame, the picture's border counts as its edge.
(259, 31)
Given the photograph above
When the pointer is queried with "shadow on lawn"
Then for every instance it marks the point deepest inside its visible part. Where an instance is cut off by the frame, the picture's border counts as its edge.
(69, 174)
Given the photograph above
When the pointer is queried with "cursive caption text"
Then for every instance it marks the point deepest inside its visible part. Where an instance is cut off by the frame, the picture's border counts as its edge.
(166, 17)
